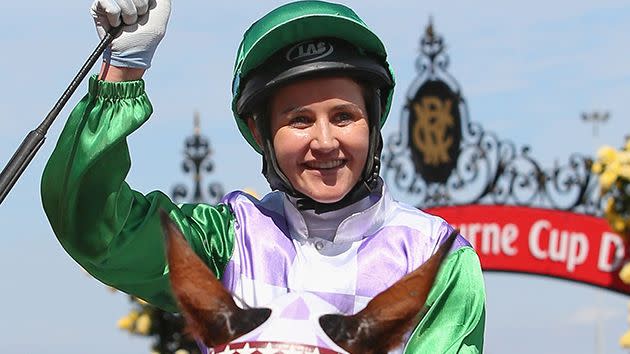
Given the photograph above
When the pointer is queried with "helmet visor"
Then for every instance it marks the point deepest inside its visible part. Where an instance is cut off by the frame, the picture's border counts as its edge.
(317, 57)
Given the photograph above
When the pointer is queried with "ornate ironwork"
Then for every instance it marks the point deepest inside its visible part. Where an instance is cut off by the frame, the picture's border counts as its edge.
(197, 161)
(488, 170)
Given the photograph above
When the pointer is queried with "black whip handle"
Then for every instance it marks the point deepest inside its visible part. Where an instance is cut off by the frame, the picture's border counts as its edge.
(34, 140)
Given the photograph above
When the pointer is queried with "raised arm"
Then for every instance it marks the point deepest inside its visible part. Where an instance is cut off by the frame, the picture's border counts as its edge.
(107, 227)
(112, 73)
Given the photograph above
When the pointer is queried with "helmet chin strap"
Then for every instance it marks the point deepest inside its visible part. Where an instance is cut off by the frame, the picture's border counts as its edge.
(369, 177)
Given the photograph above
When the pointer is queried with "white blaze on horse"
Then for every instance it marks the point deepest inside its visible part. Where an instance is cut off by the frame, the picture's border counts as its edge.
(295, 322)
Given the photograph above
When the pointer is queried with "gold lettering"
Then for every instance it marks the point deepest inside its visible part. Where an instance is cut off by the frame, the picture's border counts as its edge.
(433, 118)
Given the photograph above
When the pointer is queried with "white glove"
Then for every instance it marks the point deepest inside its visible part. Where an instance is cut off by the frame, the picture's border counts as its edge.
(145, 24)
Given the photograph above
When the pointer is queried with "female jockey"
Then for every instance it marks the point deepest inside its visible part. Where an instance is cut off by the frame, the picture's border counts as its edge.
(311, 90)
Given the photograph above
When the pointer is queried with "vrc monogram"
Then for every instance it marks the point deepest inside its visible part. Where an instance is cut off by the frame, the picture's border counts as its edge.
(433, 118)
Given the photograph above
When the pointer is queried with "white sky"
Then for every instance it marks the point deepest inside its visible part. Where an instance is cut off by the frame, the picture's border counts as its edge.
(527, 69)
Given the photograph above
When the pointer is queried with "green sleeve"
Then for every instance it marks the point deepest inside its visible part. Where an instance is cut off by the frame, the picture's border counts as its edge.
(111, 230)
(455, 318)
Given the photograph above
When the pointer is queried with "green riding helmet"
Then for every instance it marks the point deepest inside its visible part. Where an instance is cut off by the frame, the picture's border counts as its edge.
(305, 39)
(297, 22)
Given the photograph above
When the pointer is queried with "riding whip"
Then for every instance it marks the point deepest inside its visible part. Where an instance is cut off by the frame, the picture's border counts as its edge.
(34, 140)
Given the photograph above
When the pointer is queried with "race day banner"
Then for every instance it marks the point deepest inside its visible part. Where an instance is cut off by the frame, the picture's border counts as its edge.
(552, 243)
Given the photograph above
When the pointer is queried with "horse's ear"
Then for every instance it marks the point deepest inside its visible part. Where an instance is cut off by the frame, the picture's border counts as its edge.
(210, 312)
(381, 325)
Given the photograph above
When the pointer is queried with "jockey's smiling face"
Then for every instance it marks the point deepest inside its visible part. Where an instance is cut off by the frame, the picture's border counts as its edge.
(320, 135)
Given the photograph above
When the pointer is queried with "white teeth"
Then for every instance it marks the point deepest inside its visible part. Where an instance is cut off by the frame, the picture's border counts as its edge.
(325, 164)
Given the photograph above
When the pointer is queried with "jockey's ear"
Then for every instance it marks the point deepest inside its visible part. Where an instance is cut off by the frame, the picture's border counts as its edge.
(210, 312)
(251, 124)
(381, 325)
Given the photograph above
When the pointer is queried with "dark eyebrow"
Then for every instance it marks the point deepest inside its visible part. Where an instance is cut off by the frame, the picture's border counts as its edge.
(341, 107)
(294, 110)
(347, 106)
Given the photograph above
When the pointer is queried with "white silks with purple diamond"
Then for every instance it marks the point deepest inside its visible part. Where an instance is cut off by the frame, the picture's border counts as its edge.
(276, 253)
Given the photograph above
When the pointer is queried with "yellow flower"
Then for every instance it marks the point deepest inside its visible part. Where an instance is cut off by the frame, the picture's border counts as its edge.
(624, 341)
(143, 324)
(613, 167)
(624, 157)
(624, 172)
(619, 226)
(606, 154)
(182, 351)
(597, 168)
(624, 274)
(606, 180)
(126, 322)
(616, 221)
